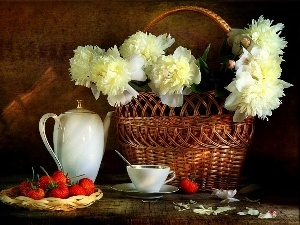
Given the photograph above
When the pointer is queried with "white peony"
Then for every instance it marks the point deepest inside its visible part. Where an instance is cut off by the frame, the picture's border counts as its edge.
(259, 63)
(171, 74)
(111, 74)
(80, 64)
(261, 33)
(251, 97)
(149, 46)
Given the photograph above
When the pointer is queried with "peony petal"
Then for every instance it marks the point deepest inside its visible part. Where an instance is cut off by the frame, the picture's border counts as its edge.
(173, 100)
(182, 52)
(118, 100)
(224, 194)
(130, 90)
(95, 91)
(267, 215)
(114, 52)
(253, 212)
(197, 77)
(239, 117)
(124, 98)
(244, 81)
(135, 66)
(230, 101)
(166, 41)
(187, 91)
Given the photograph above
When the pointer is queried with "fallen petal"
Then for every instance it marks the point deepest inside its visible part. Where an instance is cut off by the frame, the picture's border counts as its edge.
(269, 215)
(224, 194)
(265, 216)
(222, 209)
(228, 200)
(252, 211)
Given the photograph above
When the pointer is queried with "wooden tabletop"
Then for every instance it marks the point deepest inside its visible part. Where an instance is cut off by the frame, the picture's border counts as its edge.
(116, 207)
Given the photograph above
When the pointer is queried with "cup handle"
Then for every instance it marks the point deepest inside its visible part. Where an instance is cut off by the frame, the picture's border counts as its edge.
(172, 178)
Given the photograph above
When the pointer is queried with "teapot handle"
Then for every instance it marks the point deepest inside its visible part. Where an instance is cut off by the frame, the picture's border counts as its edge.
(44, 138)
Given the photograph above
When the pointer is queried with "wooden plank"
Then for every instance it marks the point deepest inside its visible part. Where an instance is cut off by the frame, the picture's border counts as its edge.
(116, 208)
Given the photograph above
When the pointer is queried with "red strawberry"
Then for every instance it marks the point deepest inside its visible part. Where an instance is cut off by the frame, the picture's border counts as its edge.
(36, 193)
(60, 177)
(88, 185)
(58, 191)
(31, 189)
(44, 182)
(188, 186)
(76, 189)
(24, 187)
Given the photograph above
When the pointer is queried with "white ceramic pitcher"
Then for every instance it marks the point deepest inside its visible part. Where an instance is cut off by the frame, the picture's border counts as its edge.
(79, 139)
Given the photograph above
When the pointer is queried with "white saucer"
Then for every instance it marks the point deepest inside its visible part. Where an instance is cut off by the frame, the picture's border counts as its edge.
(129, 190)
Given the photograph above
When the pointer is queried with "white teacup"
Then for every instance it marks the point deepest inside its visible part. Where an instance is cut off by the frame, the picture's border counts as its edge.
(150, 178)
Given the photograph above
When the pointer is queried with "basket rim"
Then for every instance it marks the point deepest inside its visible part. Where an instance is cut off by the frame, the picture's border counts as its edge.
(10, 197)
(213, 119)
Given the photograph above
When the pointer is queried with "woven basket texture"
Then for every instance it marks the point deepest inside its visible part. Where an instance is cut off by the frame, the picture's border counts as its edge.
(12, 197)
(208, 147)
(196, 140)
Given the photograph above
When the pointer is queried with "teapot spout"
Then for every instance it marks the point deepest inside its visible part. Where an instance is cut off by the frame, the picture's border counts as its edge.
(106, 124)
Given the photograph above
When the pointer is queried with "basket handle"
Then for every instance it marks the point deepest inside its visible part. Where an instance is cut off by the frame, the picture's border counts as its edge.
(225, 27)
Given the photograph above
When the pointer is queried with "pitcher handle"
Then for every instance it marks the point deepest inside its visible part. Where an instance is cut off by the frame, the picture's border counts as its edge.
(44, 138)
(172, 178)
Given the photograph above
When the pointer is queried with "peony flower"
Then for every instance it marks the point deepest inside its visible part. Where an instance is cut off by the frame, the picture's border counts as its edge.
(112, 74)
(250, 76)
(149, 46)
(171, 74)
(251, 97)
(267, 36)
(256, 89)
(262, 33)
(259, 64)
(80, 64)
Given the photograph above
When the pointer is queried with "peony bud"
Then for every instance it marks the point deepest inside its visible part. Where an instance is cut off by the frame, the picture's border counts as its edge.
(231, 64)
(245, 42)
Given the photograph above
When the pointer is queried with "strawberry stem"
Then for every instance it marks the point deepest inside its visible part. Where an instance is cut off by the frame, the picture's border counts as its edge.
(32, 174)
(52, 183)
(44, 171)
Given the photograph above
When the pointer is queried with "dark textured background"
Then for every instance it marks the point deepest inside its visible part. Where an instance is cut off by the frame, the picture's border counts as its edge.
(37, 39)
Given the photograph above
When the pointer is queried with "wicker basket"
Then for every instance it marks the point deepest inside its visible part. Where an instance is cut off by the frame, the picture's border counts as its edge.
(12, 196)
(196, 140)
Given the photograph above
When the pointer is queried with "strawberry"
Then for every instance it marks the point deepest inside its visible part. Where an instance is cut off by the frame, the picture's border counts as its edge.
(188, 186)
(88, 185)
(60, 177)
(36, 193)
(31, 189)
(58, 190)
(28, 184)
(24, 187)
(76, 189)
(44, 182)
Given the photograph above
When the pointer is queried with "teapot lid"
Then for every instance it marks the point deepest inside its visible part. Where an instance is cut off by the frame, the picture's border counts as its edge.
(79, 108)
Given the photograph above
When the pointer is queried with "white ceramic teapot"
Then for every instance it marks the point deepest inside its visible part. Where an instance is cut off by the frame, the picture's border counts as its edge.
(79, 140)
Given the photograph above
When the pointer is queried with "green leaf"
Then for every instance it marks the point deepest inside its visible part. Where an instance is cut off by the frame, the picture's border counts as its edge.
(203, 65)
(205, 53)
(140, 85)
